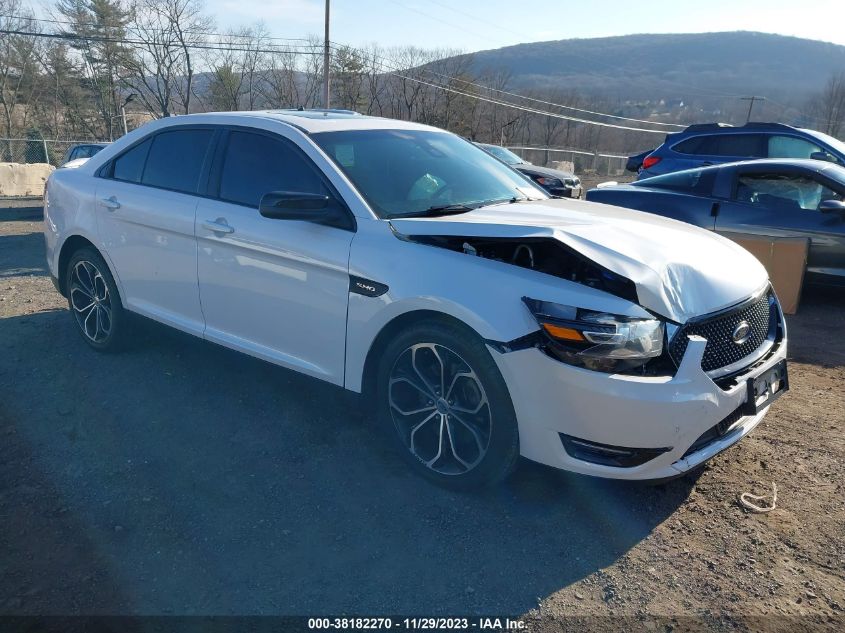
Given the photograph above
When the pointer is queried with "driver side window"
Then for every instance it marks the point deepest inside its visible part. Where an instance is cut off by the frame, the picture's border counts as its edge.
(783, 192)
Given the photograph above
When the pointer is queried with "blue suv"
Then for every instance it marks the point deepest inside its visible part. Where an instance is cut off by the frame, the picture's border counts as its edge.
(715, 143)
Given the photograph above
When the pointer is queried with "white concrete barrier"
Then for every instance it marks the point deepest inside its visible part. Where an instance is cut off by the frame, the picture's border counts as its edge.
(18, 179)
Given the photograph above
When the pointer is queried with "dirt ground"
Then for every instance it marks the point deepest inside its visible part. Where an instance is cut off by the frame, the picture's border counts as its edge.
(182, 478)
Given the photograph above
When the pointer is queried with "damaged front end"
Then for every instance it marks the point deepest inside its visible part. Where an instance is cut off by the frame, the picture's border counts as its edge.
(544, 255)
(583, 338)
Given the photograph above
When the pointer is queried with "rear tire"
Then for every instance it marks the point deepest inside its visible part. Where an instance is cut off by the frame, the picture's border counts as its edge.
(440, 395)
(94, 301)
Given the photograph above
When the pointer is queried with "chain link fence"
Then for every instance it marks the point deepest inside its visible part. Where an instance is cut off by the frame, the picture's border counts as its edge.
(583, 162)
(27, 150)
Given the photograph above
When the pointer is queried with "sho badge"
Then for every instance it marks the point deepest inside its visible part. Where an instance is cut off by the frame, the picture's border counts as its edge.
(366, 287)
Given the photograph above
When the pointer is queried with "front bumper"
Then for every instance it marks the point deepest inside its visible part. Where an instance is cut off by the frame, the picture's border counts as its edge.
(566, 191)
(551, 398)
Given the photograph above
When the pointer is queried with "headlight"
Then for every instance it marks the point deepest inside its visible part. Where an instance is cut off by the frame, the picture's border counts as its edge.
(549, 182)
(596, 340)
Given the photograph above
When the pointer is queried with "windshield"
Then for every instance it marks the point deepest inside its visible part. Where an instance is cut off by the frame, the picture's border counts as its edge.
(404, 173)
(503, 154)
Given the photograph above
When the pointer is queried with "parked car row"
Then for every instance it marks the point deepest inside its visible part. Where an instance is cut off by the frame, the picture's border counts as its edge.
(764, 179)
(779, 198)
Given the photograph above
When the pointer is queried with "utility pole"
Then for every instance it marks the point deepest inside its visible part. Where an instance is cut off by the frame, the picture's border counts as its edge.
(752, 99)
(326, 60)
(129, 99)
(502, 131)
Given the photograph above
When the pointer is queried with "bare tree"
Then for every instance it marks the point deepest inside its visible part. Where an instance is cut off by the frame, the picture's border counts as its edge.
(828, 107)
(160, 66)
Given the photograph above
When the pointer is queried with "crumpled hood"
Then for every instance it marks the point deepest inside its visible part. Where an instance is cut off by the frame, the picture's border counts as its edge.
(680, 270)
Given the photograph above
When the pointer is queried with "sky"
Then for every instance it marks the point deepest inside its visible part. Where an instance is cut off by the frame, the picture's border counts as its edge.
(472, 25)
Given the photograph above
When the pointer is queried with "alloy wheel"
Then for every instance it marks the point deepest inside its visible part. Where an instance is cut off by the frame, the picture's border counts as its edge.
(439, 408)
(91, 301)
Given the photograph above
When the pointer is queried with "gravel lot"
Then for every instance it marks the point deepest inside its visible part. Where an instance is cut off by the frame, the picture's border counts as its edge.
(183, 478)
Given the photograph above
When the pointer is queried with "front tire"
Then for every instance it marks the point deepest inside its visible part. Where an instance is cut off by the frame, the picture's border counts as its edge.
(444, 401)
(94, 301)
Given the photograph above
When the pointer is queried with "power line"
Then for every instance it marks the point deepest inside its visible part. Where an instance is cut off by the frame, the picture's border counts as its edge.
(551, 103)
(214, 46)
(395, 72)
(224, 47)
(188, 31)
(522, 108)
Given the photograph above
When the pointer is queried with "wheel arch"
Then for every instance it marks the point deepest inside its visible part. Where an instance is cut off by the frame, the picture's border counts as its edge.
(70, 246)
(390, 329)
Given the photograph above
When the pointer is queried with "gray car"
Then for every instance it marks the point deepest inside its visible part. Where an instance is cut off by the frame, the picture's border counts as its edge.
(558, 183)
(780, 198)
(82, 150)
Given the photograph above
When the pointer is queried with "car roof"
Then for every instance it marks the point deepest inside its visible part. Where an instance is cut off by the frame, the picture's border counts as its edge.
(833, 170)
(314, 121)
(807, 163)
(727, 128)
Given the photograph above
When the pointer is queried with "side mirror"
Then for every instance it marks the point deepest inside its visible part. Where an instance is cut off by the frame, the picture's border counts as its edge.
(833, 206)
(306, 207)
(823, 156)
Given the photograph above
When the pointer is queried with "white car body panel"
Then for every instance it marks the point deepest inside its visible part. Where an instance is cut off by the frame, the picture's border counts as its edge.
(553, 398)
(275, 289)
(279, 290)
(150, 240)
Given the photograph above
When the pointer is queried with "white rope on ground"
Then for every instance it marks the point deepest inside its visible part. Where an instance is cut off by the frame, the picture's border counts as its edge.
(753, 507)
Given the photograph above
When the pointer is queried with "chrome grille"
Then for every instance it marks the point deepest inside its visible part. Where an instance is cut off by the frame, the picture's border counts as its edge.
(721, 350)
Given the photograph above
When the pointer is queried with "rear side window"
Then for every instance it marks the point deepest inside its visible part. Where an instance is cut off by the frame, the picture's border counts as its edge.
(86, 151)
(733, 145)
(256, 164)
(130, 165)
(791, 147)
(695, 181)
(176, 158)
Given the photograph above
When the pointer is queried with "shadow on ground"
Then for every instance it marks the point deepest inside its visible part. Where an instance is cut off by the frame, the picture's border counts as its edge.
(180, 477)
(820, 316)
(22, 255)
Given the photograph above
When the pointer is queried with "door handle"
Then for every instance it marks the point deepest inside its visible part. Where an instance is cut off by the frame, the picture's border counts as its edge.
(218, 226)
(110, 203)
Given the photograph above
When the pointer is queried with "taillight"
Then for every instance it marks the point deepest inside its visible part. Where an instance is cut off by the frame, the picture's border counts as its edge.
(651, 161)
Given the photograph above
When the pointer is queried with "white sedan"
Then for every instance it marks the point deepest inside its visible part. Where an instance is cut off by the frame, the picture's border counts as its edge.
(480, 319)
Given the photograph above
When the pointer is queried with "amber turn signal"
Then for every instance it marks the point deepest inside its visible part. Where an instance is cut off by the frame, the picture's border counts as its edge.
(563, 333)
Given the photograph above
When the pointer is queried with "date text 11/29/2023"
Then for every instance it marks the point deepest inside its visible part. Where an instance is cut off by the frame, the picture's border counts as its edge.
(422, 624)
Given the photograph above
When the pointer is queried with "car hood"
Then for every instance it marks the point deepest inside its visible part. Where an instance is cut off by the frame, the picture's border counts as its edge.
(534, 170)
(680, 271)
